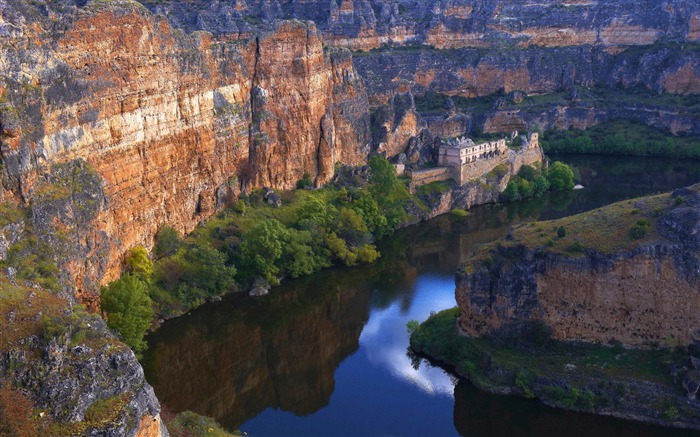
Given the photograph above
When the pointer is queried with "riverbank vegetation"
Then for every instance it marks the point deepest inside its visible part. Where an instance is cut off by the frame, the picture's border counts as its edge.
(585, 377)
(255, 244)
(534, 181)
(621, 137)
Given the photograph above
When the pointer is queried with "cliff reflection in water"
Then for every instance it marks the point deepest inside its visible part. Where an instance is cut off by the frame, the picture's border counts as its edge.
(248, 361)
(233, 359)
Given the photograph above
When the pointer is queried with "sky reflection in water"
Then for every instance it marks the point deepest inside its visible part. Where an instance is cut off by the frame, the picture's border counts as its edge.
(385, 337)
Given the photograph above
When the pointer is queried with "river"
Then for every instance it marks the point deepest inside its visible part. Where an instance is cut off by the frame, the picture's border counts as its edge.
(327, 354)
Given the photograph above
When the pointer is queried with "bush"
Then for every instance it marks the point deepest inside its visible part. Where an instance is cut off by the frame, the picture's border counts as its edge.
(367, 254)
(523, 381)
(561, 177)
(139, 265)
(305, 181)
(639, 230)
(128, 308)
(189, 424)
(671, 413)
(260, 249)
(511, 193)
(167, 242)
(561, 232)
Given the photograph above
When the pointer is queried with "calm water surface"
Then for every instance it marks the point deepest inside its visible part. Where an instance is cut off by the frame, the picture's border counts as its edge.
(327, 354)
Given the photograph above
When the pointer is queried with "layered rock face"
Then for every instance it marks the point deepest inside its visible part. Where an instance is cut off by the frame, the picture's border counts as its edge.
(644, 295)
(171, 123)
(368, 24)
(474, 49)
(72, 368)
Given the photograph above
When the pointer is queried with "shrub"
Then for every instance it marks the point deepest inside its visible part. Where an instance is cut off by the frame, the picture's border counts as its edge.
(541, 185)
(367, 254)
(576, 247)
(167, 242)
(527, 172)
(511, 193)
(189, 424)
(671, 413)
(639, 230)
(260, 249)
(305, 181)
(239, 207)
(561, 232)
(128, 308)
(139, 265)
(561, 177)
(523, 381)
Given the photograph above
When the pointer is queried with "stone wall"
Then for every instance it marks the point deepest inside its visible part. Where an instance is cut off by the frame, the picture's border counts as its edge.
(428, 175)
(476, 169)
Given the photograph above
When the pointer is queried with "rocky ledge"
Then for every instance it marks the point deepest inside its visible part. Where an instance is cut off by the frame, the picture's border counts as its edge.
(64, 373)
(629, 273)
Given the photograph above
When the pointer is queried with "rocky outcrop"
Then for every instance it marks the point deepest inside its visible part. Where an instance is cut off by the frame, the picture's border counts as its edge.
(81, 379)
(599, 282)
(368, 24)
(172, 124)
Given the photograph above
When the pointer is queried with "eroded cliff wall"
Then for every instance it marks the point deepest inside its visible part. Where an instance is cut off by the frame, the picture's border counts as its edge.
(598, 283)
(172, 124)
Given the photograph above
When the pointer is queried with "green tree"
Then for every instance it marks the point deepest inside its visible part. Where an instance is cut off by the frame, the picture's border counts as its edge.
(389, 192)
(367, 254)
(167, 242)
(527, 172)
(128, 308)
(298, 255)
(561, 177)
(368, 209)
(352, 228)
(511, 194)
(138, 263)
(382, 176)
(541, 185)
(525, 189)
(207, 270)
(339, 249)
(261, 248)
(315, 214)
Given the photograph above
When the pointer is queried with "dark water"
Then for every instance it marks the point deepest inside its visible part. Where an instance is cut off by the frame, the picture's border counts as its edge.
(326, 354)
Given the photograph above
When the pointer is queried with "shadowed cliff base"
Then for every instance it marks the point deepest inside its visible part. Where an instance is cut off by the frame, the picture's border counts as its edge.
(632, 384)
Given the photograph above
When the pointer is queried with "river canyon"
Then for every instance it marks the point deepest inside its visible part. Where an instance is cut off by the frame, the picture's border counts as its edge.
(120, 118)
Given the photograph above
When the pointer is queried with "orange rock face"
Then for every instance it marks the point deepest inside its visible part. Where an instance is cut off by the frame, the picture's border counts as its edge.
(150, 427)
(173, 123)
(686, 80)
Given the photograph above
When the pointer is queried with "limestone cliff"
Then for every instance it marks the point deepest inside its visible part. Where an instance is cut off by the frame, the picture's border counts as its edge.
(171, 124)
(368, 24)
(78, 379)
(625, 273)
